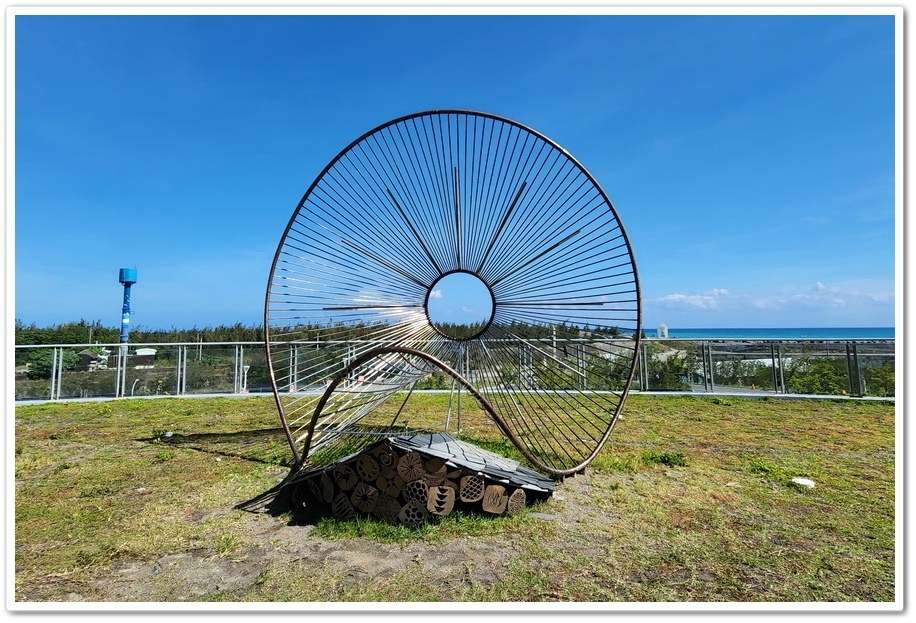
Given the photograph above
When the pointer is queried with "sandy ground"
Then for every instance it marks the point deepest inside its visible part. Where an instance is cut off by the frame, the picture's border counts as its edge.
(270, 541)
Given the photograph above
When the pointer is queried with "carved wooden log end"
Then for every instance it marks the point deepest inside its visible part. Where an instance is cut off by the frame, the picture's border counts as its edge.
(495, 499)
(410, 467)
(516, 502)
(441, 500)
(412, 514)
(471, 489)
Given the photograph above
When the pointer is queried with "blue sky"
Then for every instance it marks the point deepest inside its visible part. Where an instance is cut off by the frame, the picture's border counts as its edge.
(750, 158)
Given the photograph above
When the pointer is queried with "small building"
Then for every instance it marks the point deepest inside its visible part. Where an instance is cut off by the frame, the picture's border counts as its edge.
(92, 360)
(143, 358)
(661, 331)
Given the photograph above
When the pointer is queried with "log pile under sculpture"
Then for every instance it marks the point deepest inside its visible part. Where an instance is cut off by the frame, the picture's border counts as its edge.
(410, 480)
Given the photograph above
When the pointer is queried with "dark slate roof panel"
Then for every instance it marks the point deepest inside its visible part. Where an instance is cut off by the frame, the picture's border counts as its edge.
(468, 456)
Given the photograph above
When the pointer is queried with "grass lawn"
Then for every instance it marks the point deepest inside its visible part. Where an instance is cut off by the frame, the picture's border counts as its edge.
(691, 500)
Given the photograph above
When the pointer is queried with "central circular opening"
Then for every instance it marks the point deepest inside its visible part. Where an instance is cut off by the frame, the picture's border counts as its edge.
(459, 305)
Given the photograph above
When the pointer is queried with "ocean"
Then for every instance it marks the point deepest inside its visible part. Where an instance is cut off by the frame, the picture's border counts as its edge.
(814, 333)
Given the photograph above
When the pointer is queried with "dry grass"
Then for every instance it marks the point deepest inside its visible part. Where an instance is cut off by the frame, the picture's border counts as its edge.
(691, 500)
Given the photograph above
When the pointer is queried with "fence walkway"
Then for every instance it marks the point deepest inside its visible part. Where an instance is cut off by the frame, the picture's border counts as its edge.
(789, 368)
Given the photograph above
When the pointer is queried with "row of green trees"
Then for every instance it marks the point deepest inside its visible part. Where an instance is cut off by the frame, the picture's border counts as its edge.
(86, 332)
(94, 332)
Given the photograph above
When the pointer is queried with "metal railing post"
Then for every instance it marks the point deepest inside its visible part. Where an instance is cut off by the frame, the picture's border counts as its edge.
(235, 370)
(707, 368)
(60, 372)
(178, 369)
(782, 376)
(849, 369)
(53, 373)
(773, 368)
(184, 370)
(293, 368)
(855, 360)
(240, 373)
(712, 369)
(120, 370)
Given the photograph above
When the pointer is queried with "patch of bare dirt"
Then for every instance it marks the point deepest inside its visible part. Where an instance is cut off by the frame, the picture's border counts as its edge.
(272, 541)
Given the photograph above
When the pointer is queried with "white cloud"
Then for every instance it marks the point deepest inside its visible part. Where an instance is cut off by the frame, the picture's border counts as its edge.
(821, 303)
(435, 294)
(840, 295)
(819, 294)
(707, 300)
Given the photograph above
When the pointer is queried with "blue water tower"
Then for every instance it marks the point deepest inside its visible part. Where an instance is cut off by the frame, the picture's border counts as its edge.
(127, 277)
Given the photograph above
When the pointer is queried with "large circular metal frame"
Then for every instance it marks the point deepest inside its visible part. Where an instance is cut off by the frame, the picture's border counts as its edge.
(420, 197)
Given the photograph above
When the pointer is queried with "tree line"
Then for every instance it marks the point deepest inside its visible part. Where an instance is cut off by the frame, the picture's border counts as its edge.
(86, 332)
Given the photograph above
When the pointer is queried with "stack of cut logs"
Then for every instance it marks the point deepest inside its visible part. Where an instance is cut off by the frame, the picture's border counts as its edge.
(402, 487)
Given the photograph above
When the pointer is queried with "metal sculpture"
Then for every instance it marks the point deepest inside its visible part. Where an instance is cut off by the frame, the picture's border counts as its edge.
(448, 194)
